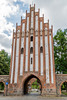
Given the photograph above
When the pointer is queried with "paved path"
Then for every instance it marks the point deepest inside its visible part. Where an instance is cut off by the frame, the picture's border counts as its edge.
(31, 97)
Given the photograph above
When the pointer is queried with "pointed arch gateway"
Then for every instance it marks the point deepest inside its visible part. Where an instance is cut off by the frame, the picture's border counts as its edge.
(25, 83)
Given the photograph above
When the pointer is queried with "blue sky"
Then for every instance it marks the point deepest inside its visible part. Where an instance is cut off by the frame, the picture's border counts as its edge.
(12, 10)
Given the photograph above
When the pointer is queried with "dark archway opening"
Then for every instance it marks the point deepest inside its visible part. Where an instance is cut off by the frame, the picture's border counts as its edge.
(1, 88)
(64, 89)
(30, 86)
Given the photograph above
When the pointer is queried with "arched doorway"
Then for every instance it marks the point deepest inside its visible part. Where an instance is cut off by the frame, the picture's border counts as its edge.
(2, 88)
(63, 87)
(27, 87)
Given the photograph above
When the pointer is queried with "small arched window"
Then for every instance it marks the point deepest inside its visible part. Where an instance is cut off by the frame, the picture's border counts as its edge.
(31, 50)
(22, 50)
(31, 38)
(41, 49)
(31, 60)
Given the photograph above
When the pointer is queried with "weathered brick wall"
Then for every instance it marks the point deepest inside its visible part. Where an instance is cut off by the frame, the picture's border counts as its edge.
(60, 79)
(4, 78)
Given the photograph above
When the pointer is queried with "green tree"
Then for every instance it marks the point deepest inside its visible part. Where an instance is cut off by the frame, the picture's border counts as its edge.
(35, 85)
(60, 51)
(4, 63)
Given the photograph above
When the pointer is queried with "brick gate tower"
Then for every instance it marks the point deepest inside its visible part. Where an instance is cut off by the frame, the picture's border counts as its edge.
(32, 55)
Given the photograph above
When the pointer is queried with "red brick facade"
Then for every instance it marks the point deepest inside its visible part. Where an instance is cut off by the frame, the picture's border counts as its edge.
(16, 85)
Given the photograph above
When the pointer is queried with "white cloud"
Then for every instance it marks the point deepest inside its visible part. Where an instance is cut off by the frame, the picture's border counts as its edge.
(7, 8)
(5, 42)
(22, 13)
(27, 1)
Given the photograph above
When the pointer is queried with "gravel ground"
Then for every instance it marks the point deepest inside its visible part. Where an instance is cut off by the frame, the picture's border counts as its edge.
(31, 97)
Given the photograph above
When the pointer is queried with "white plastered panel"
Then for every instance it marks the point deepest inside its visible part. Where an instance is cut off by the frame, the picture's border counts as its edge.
(31, 44)
(52, 80)
(12, 63)
(36, 53)
(41, 41)
(40, 26)
(26, 63)
(16, 63)
(36, 23)
(23, 27)
(27, 23)
(47, 59)
(31, 19)
(21, 60)
(21, 65)
(41, 54)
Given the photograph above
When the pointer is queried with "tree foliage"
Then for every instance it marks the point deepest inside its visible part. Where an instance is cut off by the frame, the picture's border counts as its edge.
(35, 85)
(4, 63)
(1, 86)
(60, 51)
